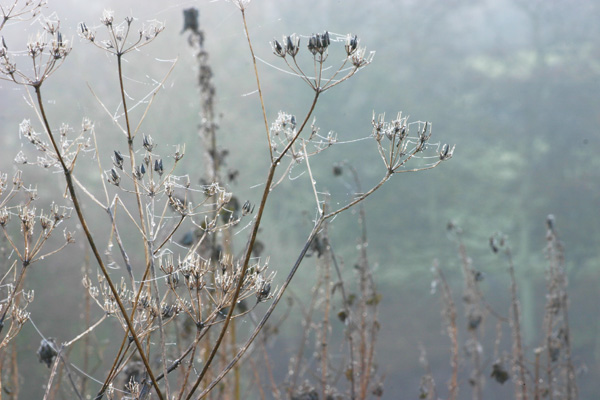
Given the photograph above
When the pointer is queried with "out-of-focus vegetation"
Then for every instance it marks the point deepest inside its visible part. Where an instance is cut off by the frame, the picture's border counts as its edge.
(512, 82)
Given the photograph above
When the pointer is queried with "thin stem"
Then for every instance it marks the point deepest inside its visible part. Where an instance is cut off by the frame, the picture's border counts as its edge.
(519, 361)
(251, 240)
(88, 234)
(262, 103)
(263, 321)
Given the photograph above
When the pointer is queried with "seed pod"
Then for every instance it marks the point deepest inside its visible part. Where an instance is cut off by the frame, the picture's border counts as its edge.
(118, 160)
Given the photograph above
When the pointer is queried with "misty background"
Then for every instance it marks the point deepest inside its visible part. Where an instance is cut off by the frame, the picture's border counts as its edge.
(513, 83)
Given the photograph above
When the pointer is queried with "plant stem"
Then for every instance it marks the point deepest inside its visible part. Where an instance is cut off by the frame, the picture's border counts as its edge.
(69, 180)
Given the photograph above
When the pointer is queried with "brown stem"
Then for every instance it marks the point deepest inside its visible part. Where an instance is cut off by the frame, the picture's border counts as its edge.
(249, 247)
(90, 239)
(520, 383)
(262, 103)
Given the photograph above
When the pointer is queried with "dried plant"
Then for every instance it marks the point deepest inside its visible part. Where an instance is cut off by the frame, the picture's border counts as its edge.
(186, 293)
(559, 380)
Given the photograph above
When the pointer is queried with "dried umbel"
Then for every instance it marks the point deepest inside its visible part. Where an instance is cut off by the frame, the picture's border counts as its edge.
(401, 146)
(47, 50)
(118, 34)
(318, 46)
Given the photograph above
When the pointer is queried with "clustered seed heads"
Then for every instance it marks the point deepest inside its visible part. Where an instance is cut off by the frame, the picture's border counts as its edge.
(400, 146)
(25, 250)
(318, 46)
(118, 34)
(47, 50)
(68, 147)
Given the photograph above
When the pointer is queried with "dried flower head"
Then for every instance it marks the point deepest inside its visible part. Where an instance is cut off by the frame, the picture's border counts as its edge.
(319, 43)
(278, 49)
(351, 44)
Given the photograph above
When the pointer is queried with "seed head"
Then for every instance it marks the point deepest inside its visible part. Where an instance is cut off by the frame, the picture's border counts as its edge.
(139, 172)
(292, 44)
(158, 166)
(278, 49)
(107, 17)
(114, 177)
(263, 292)
(351, 44)
(319, 43)
(148, 143)
(118, 160)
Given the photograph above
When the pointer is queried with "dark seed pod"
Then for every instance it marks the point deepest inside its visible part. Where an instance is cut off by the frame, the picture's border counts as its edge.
(118, 160)
(148, 143)
(158, 166)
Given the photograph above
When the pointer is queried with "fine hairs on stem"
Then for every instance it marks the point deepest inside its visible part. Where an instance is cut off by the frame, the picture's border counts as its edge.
(171, 317)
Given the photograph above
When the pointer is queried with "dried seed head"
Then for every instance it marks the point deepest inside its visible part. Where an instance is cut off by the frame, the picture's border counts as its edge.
(359, 59)
(107, 17)
(148, 143)
(114, 177)
(351, 44)
(179, 153)
(85, 33)
(263, 292)
(446, 152)
(118, 160)
(247, 208)
(292, 44)
(158, 166)
(278, 49)
(3, 48)
(4, 216)
(319, 43)
(152, 31)
(139, 172)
